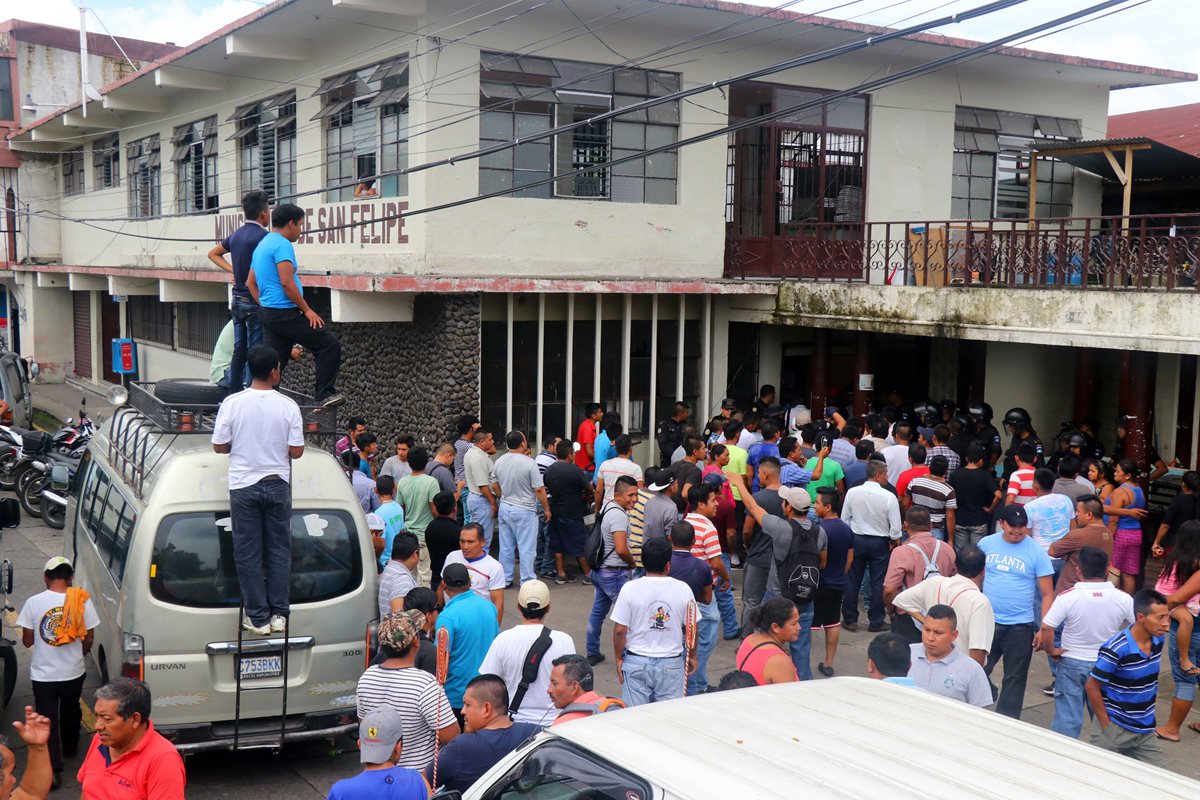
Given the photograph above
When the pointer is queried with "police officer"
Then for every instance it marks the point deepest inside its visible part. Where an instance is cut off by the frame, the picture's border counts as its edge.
(1063, 446)
(1019, 425)
(985, 432)
(670, 432)
(1089, 427)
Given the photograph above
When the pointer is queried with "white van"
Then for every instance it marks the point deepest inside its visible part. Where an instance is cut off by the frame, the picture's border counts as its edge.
(840, 738)
(148, 531)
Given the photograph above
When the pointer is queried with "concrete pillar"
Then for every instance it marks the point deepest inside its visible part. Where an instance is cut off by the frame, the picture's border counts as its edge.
(820, 372)
(862, 366)
(1084, 383)
(46, 332)
(1139, 404)
(1186, 409)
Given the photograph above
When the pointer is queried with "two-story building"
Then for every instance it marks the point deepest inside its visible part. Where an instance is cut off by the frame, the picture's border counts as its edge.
(760, 256)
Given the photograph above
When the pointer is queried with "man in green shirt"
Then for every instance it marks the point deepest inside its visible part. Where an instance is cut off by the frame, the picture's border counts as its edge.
(415, 493)
(831, 475)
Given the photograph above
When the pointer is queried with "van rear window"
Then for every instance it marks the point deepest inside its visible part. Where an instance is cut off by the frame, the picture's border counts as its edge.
(193, 559)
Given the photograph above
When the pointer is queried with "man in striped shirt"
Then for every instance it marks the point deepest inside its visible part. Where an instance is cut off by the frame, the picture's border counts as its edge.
(1020, 483)
(934, 493)
(1123, 685)
(706, 547)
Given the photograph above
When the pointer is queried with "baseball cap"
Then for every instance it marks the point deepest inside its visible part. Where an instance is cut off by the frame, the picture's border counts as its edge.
(398, 629)
(375, 522)
(926, 432)
(714, 479)
(534, 595)
(56, 562)
(729, 403)
(1015, 516)
(456, 576)
(658, 479)
(795, 497)
(378, 733)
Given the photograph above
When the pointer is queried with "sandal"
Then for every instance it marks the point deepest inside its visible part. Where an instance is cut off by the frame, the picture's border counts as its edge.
(824, 670)
(1191, 671)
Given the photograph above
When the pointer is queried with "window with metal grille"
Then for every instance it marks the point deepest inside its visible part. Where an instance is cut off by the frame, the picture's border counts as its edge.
(521, 95)
(366, 130)
(195, 160)
(6, 93)
(142, 158)
(151, 320)
(106, 162)
(72, 170)
(266, 138)
(991, 165)
(200, 325)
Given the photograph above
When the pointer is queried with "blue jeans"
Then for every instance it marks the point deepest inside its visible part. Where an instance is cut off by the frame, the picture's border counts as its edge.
(481, 512)
(518, 533)
(708, 623)
(1185, 685)
(544, 561)
(940, 535)
(1070, 698)
(803, 646)
(261, 517)
(729, 618)
(873, 552)
(247, 333)
(606, 585)
(648, 680)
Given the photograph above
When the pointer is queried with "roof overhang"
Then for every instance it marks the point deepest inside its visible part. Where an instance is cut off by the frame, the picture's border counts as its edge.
(1152, 160)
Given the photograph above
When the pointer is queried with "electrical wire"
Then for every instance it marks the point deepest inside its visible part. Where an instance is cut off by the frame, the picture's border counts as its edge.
(867, 86)
(864, 42)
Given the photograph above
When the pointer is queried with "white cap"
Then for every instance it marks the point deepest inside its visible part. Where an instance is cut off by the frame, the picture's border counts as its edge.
(375, 522)
(534, 595)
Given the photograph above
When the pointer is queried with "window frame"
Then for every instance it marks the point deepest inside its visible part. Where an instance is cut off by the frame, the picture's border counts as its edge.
(102, 490)
(265, 132)
(195, 160)
(106, 162)
(144, 166)
(72, 170)
(154, 328)
(198, 326)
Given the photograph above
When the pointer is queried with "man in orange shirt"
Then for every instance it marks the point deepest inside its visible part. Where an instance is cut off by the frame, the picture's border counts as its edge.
(585, 437)
(570, 689)
(127, 756)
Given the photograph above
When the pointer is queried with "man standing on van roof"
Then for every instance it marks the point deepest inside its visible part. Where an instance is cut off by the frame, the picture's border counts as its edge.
(261, 431)
(247, 331)
(286, 318)
(58, 624)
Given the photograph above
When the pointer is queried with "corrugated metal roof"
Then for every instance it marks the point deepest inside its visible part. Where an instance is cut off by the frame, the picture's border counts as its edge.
(854, 738)
(1176, 126)
(1154, 163)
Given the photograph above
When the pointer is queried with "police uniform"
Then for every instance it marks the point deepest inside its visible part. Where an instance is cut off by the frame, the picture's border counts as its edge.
(669, 436)
(989, 437)
(1010, 456)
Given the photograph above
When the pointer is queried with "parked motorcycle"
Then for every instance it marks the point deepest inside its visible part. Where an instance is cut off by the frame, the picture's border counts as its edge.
(54, 493)
(37, 478)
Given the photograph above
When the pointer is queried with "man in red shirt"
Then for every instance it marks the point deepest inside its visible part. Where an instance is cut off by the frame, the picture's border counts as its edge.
(128, 757)
(1020, 483)
(585, 437)
(917, 468)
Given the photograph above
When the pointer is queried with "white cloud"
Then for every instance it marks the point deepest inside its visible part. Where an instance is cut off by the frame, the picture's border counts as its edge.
(168, 21)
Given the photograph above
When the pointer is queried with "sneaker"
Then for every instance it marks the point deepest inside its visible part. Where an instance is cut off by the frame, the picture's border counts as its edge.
(878, 627)
(586, 580)
(595, 658)
(563, 579)
(278, 624)
(333, 400)
(1048, 690)
(824, 670)
(850, 626)
(264, 630)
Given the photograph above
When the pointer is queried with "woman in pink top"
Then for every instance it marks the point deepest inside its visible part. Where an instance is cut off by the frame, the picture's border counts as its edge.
(766, 653)
(718, 456)
(1180, 583)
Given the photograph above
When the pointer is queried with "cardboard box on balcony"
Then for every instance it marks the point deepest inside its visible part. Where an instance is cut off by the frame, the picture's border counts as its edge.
(937, 253)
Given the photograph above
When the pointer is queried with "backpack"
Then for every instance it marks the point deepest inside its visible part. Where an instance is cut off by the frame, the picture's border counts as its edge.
(593, 549)
(602, 706)
(931, 567)
(529, 669)
(800, 570)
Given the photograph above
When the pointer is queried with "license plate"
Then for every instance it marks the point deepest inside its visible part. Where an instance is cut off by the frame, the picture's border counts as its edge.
(261, 666)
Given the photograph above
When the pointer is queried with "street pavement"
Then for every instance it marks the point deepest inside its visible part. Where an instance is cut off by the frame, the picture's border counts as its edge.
(305, 772)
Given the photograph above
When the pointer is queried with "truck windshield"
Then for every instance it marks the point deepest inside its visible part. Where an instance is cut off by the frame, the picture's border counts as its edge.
(193, 559)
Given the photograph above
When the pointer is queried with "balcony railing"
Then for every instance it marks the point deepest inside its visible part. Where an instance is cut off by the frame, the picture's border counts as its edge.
(1147, 253)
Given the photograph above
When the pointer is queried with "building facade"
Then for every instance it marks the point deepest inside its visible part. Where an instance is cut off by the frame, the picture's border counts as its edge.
(766, 255)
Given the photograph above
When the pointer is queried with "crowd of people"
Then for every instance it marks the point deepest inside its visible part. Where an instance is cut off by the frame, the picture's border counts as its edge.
(964, 556)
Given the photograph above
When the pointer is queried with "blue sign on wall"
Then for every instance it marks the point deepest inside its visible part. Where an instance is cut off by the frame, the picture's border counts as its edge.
(124, 356)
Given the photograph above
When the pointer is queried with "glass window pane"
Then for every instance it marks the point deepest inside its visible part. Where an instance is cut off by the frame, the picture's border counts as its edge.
(661, 165)
(628, 189)
(850, 112)
(533, 156)
(660, 191)
(492, 180)
(666, 112)
(496, 125)
(659, 135)
(528, 124)
(628, 136)
(501, 160)
(637, 167)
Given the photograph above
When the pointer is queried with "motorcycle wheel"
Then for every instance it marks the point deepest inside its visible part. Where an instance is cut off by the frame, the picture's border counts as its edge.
(8, 477)
(24, 475)
(31, 495)
(54, 515)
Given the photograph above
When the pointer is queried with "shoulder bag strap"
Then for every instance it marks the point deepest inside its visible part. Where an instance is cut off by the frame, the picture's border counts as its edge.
(533, 661)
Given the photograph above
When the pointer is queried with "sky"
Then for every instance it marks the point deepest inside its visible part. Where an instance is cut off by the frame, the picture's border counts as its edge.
(1159, 33)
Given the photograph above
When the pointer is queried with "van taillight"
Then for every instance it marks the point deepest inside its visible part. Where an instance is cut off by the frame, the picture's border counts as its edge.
(372, 643)
(133, 665)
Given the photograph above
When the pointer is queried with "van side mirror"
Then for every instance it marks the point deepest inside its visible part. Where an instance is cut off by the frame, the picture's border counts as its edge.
(34, 369)
(60, 477)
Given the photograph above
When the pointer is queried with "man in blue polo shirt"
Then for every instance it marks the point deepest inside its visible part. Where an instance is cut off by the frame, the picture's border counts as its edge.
(1123, 685)
(471, 622)
(240, 245)
(286, 318)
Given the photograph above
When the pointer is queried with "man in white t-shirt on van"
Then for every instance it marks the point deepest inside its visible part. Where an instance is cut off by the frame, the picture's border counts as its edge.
(261, 431)
(513, 648)
(653, 659)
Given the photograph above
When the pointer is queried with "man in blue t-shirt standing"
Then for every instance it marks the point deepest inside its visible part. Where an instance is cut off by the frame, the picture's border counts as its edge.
(380, 742)
(471, 624)
(240, 246)
(1123, 686)
(286, 318)
(1017, 570)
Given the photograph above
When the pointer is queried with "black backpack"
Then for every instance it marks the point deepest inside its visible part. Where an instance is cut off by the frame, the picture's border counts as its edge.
(593, 549)
(800, 570)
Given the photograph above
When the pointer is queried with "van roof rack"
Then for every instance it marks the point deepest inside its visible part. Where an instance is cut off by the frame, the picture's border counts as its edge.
(144, 429)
